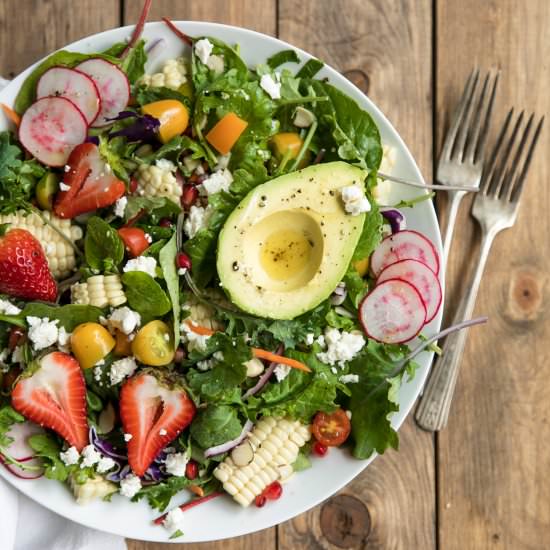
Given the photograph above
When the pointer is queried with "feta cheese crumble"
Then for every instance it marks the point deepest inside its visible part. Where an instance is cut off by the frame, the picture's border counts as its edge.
(349, 379)
(120, 207)
(173, 520)
(162, 432)
(7, 308)
(216, 182)
(310, 338)
(341, 346)
(121, 369)
(203, 50)
(130, 486)
(64, 186)
(70, 456)
(270, 87)
(196, 220)
(147, 264)
(192, 339)
(127, 437)
(90, 456)
(124, 319)
(355, 202)
(281, 372)
(176, 463)
(105, 464)
(42, 332)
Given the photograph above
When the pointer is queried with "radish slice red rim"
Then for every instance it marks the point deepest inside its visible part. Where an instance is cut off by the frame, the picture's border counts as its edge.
(422, 278)
(73, 85)
(19, 449)
(51, 128)
(30, 467)
(404, 245)
(393, 312)
(113, 87)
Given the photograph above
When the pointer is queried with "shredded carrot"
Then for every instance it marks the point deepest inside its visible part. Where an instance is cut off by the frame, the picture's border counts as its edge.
(274, 358)
(202, 331)
(11, 114)
(260, 353)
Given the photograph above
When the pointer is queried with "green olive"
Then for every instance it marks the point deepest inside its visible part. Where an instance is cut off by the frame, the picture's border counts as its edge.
(46, 188)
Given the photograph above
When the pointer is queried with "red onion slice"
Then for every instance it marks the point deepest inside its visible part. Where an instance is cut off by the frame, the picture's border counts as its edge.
(395, 218)
(228, 445)
(262, 381)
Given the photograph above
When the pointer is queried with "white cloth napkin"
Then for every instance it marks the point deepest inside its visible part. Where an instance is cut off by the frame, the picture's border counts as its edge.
(25, 525)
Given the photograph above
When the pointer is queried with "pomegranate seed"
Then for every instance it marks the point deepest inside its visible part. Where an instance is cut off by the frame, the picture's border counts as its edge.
(189, 196)
(133, 185)
(191, 470)
(165, 222)
(273, 491)
(260, 500)
(319, 449)
(183, 261)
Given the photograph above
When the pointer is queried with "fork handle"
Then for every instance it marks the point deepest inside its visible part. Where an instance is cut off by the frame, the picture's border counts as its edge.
(454, 198)
(433, 411)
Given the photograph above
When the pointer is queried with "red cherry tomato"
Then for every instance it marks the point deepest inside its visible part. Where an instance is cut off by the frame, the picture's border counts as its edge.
(331, 429)
(134, 240)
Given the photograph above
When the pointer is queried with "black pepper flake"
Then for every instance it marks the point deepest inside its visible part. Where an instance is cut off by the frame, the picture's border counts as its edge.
(331, 193)
(235, 266)
(299, 190)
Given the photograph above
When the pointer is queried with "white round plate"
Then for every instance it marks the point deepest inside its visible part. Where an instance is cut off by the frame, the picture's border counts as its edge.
(222, 518)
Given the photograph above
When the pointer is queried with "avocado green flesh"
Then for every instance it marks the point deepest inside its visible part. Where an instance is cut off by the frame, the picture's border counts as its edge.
(289, 242)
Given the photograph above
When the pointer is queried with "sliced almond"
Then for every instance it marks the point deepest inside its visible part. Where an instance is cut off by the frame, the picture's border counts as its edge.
(106, 420)
(243, 454)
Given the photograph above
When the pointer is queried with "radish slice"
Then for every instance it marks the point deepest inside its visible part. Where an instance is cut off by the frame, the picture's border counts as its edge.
(404, 245)
(113, 87)
(22, 473)
(73, 85)
(421, 277)
(51, 128)
(393, 312)
(19, 449)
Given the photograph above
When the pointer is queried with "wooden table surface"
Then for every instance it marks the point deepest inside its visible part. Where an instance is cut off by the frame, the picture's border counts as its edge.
(483, 482)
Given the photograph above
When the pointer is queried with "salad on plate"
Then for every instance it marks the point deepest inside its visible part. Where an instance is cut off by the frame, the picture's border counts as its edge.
(200, 285)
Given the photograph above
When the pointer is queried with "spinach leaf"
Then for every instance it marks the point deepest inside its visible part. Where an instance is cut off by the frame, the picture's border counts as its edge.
(353, 130)
(371, 235)
(167, 261)
(27, 92)
(310, 68)
(145, 295)
(149, 94)
(134, 62)
(156, 208)
(215, 425)
(18, 177)
(47, 448)
(284, 56)
(103, 247)
(69, 315)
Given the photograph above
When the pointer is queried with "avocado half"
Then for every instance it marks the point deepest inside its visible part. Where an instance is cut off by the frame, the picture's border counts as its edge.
(285, 247)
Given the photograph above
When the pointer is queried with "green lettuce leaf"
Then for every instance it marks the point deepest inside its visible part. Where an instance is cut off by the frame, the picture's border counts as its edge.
(284, 56)
(134, 62)
(215, 425)
(167, 260)
(145, 295)
(103, 247)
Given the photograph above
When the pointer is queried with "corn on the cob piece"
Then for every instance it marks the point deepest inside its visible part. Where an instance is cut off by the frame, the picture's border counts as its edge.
(97, 487)
(173, 75)
(59, 253)
(158, 181)
(99, 291)
(276, 443)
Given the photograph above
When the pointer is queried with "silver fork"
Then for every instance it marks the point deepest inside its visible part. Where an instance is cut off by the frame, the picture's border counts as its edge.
(462, 156)
(495, 208)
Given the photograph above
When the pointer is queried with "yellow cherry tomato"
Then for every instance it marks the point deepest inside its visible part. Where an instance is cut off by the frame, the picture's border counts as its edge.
(90, 343)
(172, 114)
(153, 344)
(362, 266)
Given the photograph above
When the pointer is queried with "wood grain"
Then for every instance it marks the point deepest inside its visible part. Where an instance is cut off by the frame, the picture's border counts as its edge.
(492, 456)
(384, 46)
(34, 28)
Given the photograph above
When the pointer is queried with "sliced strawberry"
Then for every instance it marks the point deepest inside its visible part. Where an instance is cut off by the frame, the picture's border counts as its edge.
(92, 184)
(154, 414)
(54, 396)
(24, 271)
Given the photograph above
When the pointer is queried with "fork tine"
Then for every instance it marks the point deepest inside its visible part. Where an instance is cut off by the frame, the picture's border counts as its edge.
(458, 149)
(458, 115)
(489, 169)
(520, 181)
(509, 176)
(476, 146)
(500, 167)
